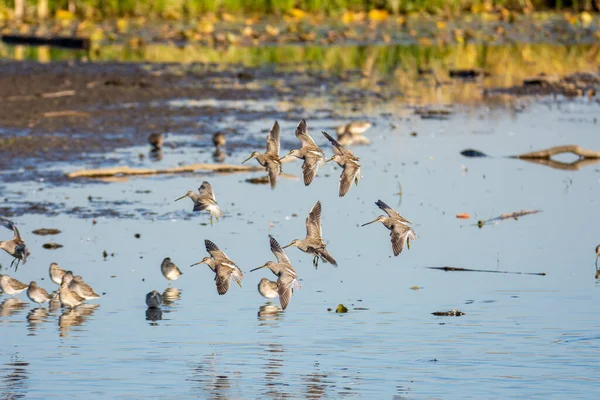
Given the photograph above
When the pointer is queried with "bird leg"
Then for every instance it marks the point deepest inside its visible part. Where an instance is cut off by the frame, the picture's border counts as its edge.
(316, 262)
(408, 243)
(211, 220)
(11, 264)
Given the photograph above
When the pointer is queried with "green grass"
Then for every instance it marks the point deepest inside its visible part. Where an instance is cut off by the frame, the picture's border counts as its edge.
(193, 8)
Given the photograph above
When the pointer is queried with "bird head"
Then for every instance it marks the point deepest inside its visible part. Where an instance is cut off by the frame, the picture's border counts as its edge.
(381, 218)
(188, 194)
(253, 155)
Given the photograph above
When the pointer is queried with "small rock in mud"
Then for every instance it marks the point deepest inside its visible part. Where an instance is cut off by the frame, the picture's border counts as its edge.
(46, 231)
(104, 254)
(137, 236)
(451, 313)
(52, 246)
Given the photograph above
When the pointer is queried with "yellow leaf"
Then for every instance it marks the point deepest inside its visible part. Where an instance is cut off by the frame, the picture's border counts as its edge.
(586, 19)
(122, 25)
(440, 24)
(347, 17)
(64, 15)
(378, 15)
(297, 13)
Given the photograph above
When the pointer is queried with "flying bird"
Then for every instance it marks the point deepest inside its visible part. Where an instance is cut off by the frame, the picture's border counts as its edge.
(16, 246)
(348, 161)
(204, 200)
(225, 270)
(401, 231)
(270, 158)
(312, 154)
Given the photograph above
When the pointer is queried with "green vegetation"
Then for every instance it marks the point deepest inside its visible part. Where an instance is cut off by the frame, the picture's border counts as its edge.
(191, 8)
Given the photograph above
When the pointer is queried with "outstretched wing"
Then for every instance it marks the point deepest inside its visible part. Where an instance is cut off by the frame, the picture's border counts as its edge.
(285, 285)
(214, 250)
(206, 190)
(278, 251)
(8, 224)
(399, 235)
(302, 134)
(348, 176)
(313, 222)
(338, 148)
(273, 140)
(273, 170)
(310, 167)
(390, 212)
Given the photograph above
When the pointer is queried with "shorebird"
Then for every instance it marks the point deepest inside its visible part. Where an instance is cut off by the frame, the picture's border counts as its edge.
(270, 158)
(56, 273)
(156, 141)
(204, 200)
(287, 277)
(400, 228)
(352, 133)
(219, 140)
(313, 243)
(82, 289)
(268, 289)
(37, 294)
(170, 270)
(349, 163)
(11, 286)
(225, 270)
(16, 246)
(68, 297)
(312, 155)
(153, 299)
(597, 255)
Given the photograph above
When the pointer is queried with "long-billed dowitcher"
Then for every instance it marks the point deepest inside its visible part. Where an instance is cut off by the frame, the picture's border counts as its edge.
(219, 140)
(287, 277)
(16, 246)
(597, 254)
(68, 297)
(156, 141)
(11, 286)
(225, 270)
(154, 299)
(312, 154)
(270, 158)
(170, 270)
(400, 228)
(37, 294)
(352, 133)
(204, 200)
(56, 273)
(313, 242)
(268, 289)
(348, 161)
(83, 289)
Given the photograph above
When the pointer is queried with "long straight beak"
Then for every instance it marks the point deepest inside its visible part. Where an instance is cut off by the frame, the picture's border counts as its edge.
(256, 269)
(199, 262)
(182, 197)
(285, 247)
(331, 159)
(249, 158)
(281, 159)
(368, 223)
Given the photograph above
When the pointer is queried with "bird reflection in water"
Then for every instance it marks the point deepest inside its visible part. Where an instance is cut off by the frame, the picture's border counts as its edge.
(75, 317)
(269, 312)
(273, 354)
(35, 318)
(215, 385)
(316, 384)
(14, 378)
(170, 296)
(11, 306)
(153, 314)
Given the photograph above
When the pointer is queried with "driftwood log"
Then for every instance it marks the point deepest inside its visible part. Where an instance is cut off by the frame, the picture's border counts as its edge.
(547, 153)
(127, 171)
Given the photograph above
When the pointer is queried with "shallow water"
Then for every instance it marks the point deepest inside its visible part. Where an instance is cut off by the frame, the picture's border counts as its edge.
(522, 335)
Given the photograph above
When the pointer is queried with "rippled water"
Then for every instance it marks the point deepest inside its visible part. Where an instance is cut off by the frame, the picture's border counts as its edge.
(522, 335)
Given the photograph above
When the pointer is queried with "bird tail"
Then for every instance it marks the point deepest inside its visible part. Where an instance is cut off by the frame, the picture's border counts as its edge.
(326, 257)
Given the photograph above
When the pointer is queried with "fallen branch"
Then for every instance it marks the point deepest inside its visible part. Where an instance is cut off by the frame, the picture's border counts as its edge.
(453, 269)
(547, 153)
(62, 93)
(127, 171)
(513, 215)
(66, 113)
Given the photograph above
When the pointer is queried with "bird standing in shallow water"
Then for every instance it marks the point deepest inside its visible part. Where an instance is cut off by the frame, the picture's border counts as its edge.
(313, 243)
(37, 294)
(219, 141)
(352, 133)
(153, 299)
(270, 158)
(349, 163)
(83, 289)
(268, 289)
(170, 270)
(287, 277)
(56, 273)
(11, 286)
(156, 141)
(597, 254)
(400, 228)
(68, 297)
(16, 246)
(312, 155)
(225, 270)
(204, 200)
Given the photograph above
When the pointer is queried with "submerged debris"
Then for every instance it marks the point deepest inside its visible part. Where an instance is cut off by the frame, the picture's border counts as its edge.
(46, 231)
(446, 268)
(514, 215)
(451, 313)
(341, 309)
(473, 153)
(578, 84)
(52, 246)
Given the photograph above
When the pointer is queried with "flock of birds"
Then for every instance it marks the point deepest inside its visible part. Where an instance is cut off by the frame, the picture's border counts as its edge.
(74, 291)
